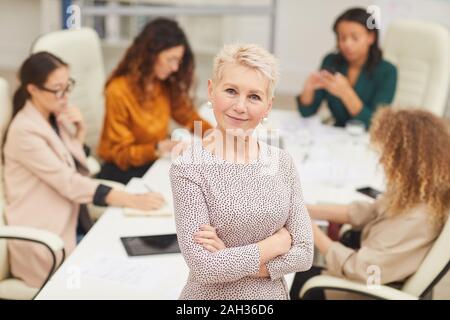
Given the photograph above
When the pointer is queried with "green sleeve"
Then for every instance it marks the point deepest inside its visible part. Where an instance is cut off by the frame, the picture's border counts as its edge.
(309, 110)
(386, 84)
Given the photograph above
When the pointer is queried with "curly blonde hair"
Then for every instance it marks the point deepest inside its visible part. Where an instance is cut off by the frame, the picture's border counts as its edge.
(414, 150)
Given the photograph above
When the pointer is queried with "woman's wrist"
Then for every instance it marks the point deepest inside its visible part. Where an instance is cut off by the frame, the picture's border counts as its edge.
(321, 240)
(119, 198)
(263, 272)
(81, 135)
(80, 131)
(351, 101)
(267, 250)
(306, 97)
(270, 248)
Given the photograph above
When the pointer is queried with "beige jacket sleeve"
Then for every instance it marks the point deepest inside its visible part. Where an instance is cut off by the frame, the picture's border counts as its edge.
(392, 251)
(362, 212)
(35, 154)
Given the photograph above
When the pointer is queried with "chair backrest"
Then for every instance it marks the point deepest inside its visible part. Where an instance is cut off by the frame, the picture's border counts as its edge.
(433, 267)
(82, 51)
(421, 52)
(5, 115)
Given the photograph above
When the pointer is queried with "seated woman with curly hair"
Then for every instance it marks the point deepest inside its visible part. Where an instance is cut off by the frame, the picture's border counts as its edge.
(399, 228)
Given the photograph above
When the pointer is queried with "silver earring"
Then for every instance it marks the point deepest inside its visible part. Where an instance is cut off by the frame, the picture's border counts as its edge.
(209, 104)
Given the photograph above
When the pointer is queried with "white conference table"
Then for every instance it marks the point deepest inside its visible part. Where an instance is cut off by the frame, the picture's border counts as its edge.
(331, 165)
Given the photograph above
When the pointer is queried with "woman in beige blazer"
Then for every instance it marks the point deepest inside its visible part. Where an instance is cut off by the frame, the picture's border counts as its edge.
(399, 228)
(45, 171)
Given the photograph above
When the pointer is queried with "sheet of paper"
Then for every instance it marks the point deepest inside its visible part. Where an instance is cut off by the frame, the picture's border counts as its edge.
(116, 269)
(161, 274)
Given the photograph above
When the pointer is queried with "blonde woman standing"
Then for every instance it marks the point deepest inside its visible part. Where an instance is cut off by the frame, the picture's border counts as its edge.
(239, 211)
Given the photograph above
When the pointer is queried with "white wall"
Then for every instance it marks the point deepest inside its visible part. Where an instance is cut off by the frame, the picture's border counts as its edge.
(19, 26)
(21, 22)
(303, 35)
(432, 10)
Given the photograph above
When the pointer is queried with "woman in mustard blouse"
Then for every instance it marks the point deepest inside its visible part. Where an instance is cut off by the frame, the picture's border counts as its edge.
(356, 80)
(150, 85)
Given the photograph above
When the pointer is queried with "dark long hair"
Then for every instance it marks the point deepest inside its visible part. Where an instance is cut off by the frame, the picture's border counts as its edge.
(361, 16)
(34, 70)
(139, 60)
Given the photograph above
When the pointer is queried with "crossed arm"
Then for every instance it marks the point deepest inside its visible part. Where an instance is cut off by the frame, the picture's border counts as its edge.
(288, 250)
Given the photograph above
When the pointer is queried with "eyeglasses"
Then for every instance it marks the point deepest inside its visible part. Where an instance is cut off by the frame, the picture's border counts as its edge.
(61, 92)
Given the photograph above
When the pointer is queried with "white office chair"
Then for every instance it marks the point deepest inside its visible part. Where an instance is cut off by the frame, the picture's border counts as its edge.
(82, 51)
(419, 286)
(421, 52)
(11, 288)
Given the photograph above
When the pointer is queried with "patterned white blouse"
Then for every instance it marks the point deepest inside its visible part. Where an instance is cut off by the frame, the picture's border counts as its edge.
(246, 203)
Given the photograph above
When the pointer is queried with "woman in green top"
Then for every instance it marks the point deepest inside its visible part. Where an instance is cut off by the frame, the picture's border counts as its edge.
(354, 81)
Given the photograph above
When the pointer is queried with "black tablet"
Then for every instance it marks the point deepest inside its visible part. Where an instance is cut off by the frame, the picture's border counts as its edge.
(148, 245)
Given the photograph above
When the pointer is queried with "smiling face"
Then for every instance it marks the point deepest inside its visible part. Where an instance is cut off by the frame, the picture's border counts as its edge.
(49, 102)
(168, 62)
(354, 40)
(240, 98)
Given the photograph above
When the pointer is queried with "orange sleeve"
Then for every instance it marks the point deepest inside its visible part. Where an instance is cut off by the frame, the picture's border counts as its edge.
(118, 143)
(186, 115)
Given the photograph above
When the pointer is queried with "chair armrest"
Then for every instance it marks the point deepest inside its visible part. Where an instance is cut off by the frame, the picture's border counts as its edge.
(49, 239)
(335, 283)
(345, 227)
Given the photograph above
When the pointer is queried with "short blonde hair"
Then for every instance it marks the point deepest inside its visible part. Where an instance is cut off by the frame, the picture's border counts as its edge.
(251, 56)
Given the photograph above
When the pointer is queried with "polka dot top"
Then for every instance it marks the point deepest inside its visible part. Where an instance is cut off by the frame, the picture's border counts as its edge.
(246, 203)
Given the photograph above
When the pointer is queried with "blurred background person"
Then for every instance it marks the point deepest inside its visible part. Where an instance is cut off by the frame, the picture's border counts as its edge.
(45, 172)
(150, 85)
(399, 228)
(356, 80)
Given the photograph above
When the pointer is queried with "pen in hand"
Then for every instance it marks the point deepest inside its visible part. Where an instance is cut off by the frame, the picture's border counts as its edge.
(150, 189)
